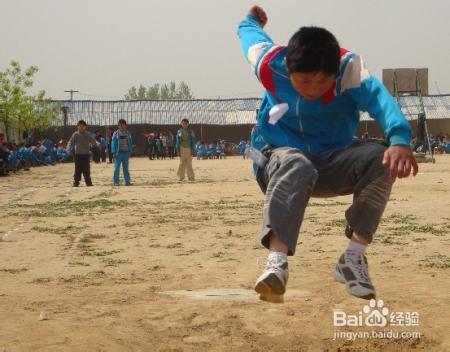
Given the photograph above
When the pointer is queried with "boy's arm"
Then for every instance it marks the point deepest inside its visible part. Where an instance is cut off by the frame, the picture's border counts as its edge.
(371, 95)
(192, 139)
(131, 142)
(114, 143)
(93, 141)
(70, 143)
(255, 42)
(177, 142)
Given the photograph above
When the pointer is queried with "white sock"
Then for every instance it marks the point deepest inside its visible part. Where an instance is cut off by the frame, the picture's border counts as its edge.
(355, 248)
(278, 257)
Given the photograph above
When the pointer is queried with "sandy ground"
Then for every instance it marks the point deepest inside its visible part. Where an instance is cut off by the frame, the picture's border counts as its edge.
(123, 269)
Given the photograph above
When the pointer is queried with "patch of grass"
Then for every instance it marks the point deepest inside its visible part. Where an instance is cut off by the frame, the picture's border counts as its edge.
(90, 277)
(159, 182)
(218, 254)
(14, 271)
(399, 218)
(84, 247)
(320, 233)
(411, 228)
(60, 209)
(327, 204)
(336, 223)
(42, 280)
(389, 240)
(115, 262)
(175, 245)
(105, 194)
(86, 238)
(99, 253)
(58, 230)
(438, 261)
(79, 264)
(96, 236)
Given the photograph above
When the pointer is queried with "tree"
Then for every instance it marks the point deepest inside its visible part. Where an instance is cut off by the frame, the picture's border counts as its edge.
(160, 92)
(38, 113)
(13, 85)
(17, 108)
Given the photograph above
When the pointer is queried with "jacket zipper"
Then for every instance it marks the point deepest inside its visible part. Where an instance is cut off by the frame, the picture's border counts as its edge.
(300, 125)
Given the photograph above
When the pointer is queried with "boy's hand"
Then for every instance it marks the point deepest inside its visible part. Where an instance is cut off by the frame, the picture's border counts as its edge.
(260, 14)
(400, 160)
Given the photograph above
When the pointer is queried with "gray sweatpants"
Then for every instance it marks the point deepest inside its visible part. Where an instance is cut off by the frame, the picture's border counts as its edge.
(291, 177)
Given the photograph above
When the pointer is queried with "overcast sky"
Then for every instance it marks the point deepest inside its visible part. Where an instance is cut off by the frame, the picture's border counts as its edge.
(103, 47)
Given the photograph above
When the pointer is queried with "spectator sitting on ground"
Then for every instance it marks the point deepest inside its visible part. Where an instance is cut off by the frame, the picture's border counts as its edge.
(61, 153)
(212, 150)
(242, 145)
(14, 163)
(221, 151)
(3, 159)
(201, 151)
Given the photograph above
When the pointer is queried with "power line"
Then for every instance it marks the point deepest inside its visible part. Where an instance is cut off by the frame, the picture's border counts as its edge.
(71, 91)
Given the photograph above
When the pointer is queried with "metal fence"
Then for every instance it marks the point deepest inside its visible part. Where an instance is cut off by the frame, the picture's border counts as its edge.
(436, 107)
(160, 112)
(206, 112)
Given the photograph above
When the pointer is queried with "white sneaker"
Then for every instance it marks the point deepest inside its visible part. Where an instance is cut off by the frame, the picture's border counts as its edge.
(353, 271)
(271, 285)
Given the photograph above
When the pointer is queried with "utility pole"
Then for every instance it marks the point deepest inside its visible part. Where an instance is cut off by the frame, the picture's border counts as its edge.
(71, 91)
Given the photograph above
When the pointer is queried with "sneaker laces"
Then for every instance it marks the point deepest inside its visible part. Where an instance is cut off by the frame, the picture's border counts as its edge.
(275, 264)
(360, 267)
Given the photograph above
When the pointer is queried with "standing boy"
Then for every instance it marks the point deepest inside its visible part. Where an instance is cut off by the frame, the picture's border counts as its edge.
(121, 147)
(80, 143)
(185, 146)
(308, 116)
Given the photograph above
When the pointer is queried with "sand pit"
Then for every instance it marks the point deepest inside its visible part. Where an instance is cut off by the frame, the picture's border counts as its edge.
(168, 266)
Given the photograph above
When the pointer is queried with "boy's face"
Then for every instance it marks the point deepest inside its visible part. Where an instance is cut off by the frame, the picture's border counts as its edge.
(311, 85)
(184, 124)
(81, 128)
(122, 126)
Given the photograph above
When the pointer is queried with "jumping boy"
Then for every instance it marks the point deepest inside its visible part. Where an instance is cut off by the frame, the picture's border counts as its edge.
(121, 147)
(186, 147)
(307, 118)
(80, 143)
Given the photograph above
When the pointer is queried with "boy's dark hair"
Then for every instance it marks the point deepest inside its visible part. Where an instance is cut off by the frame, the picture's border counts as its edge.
(185, 120)
(122, 122)
(81, 122)
(313, 49)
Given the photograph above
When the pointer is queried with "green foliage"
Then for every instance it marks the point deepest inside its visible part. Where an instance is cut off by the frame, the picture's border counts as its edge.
(18, 108)
(160, 92)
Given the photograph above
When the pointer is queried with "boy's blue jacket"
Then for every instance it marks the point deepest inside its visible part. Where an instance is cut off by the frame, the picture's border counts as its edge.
(115, 142)
(325, 123)
(201, 149)
(191, 139)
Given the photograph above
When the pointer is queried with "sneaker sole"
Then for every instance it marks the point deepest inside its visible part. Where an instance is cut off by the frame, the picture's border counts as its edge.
(271, 289)
(339, 278)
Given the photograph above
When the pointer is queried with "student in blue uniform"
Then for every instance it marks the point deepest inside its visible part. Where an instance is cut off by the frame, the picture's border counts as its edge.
(201, 151)
(314, 91)
(121, 147)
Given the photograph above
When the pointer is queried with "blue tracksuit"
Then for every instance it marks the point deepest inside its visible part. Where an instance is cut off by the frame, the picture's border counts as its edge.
(201, 151)
(121, 147)
(180, 136)
(212, 151)
(328, 122)
(242, 145)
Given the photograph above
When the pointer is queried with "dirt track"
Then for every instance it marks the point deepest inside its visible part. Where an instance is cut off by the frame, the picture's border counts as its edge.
(96, 264)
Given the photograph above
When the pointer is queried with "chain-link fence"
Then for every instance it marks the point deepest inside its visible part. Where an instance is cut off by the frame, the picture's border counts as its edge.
(207, 112)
